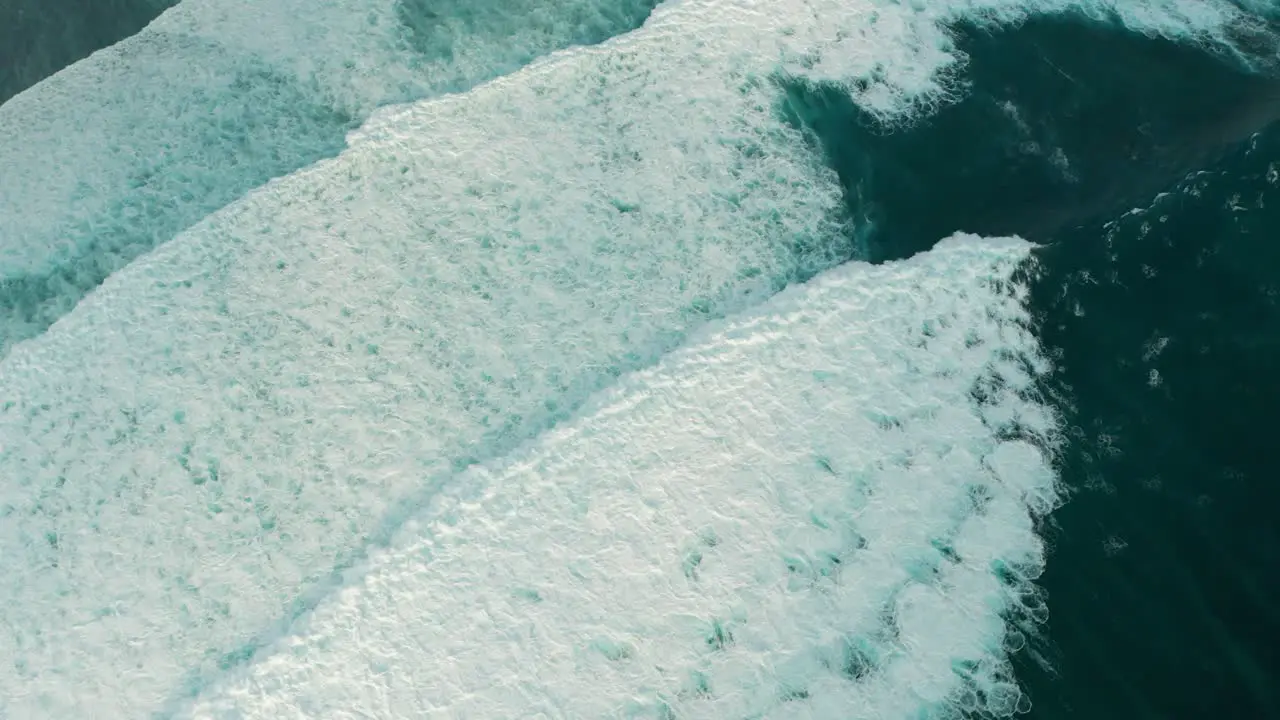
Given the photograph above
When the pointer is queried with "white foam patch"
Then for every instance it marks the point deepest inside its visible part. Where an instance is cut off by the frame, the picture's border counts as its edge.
(796, 516)
(222, 422)
(72, 144)
(118, 153)
(915, 74)
(191, 451)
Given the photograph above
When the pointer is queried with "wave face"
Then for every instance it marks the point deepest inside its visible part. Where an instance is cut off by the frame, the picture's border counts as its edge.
(805, 512)
(122, 151)
(208, 444)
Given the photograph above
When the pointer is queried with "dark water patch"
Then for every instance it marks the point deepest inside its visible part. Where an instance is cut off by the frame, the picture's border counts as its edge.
(1059, 120)
(1163, 323)
(1164, 599)
(40, 37)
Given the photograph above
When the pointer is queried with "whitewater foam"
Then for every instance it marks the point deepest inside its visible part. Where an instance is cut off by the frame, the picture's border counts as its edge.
(801, 514)
(120, 152)
(193, 450)
(230, 417)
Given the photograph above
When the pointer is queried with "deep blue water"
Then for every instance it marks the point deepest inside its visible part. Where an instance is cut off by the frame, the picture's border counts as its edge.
(1149, 172)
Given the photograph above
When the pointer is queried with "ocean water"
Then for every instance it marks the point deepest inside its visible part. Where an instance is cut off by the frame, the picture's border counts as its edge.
(1148, 170)
(40, 37)
(215, 98)
(710, 359)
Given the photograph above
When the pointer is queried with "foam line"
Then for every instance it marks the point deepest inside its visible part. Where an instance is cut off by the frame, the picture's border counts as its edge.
(40, 37)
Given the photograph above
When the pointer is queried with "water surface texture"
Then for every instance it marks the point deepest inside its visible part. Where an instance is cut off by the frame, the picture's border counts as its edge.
(711, 359)
(1156, 295)
(119, 153)
(40, 37)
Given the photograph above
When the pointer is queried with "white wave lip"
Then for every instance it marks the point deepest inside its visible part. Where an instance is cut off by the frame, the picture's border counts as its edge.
(798, 515)
(195, 447)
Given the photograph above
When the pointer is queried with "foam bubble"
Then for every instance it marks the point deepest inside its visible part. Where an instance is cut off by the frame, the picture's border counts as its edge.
(734, 533)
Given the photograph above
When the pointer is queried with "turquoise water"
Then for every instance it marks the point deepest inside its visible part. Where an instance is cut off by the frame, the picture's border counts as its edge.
(310, 403)
(40, 37)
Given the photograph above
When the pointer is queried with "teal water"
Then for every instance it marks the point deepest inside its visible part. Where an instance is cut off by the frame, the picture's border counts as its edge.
(1167, 320)
(40, 37)
(1149, 171)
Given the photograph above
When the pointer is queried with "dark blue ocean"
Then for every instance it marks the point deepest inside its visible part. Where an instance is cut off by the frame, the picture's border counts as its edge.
(1150, 174)
(1147, 172)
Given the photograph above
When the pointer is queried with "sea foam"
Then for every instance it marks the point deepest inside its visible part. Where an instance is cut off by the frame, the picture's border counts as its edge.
(802, 513)
(191, 452)
(118, 153)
